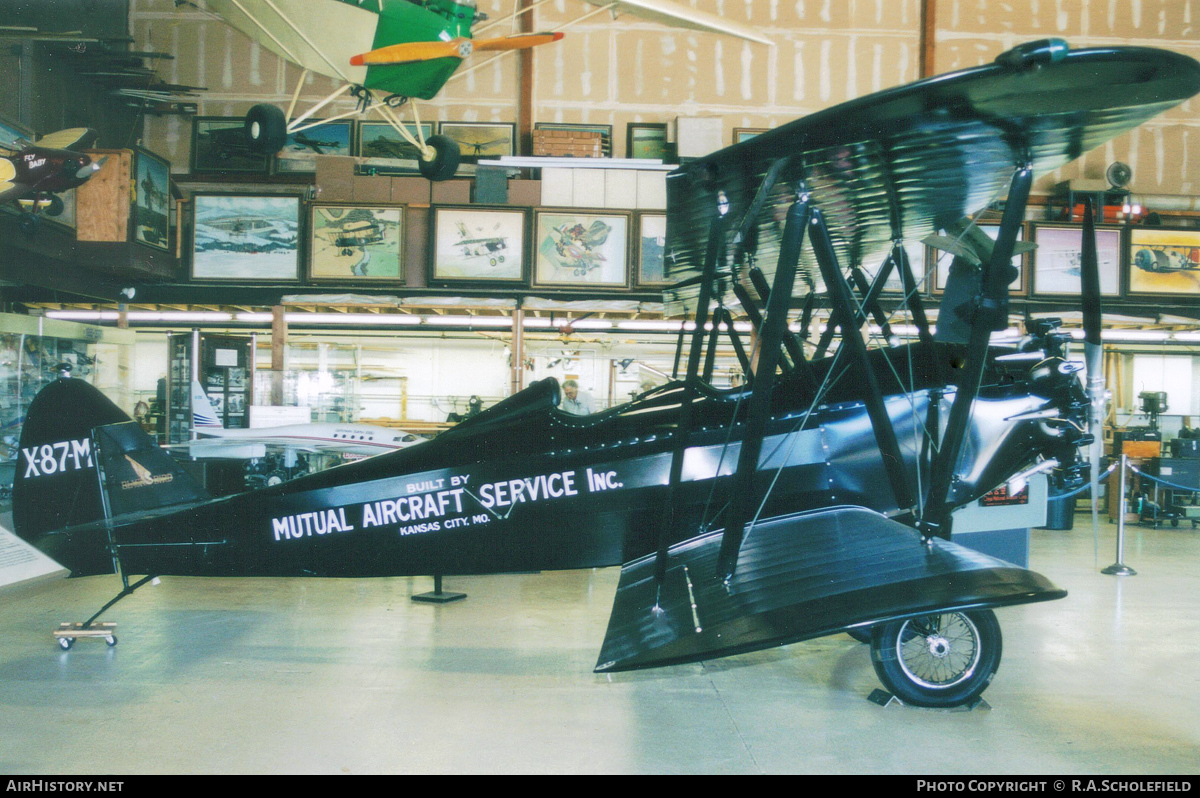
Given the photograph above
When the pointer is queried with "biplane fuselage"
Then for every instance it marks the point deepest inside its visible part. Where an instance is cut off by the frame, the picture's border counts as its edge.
(525, 486)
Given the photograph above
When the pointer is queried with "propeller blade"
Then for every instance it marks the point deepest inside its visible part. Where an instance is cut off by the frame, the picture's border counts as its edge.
(87, 171)
(519, 41)
(407, 52)
(1093, 351)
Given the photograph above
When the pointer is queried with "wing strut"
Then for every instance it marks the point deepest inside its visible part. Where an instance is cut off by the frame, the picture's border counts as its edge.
(991, 313)
(856, 347)
(912, 299)
(714, 254)
(759, 407)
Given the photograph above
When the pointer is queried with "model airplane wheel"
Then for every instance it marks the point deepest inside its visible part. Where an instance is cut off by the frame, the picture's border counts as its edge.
(111, 640)
(55, 206)
(444, 162)
(266, 129)
(66, 642)
(940, 660)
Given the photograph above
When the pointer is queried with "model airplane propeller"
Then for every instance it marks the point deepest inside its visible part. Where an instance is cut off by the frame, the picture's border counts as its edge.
(818, 500)
(388, 52)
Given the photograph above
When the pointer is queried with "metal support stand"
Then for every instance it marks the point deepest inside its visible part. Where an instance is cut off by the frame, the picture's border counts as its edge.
(437, 596)
(1119, 568)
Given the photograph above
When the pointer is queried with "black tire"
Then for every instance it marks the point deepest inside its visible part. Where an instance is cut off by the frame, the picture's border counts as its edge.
(65, 643)
(445, 159)
(942, 660)
(266, 129)
(111, 640)
(56, 206)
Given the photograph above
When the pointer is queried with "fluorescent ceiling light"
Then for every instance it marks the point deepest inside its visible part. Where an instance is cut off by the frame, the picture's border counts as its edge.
(1134, 335)
(648, 325)
(468, 321)
(82, 315)
(365, 319)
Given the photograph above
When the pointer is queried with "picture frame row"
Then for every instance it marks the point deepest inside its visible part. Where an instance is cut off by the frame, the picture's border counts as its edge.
(260, 238)
(1132, 261)
(218, 143)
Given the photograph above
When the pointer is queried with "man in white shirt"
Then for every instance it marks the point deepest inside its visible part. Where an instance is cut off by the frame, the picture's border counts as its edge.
(578, 402)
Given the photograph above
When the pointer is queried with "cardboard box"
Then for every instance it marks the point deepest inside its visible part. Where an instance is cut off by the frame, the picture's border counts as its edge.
(335, 178)
(451, 192)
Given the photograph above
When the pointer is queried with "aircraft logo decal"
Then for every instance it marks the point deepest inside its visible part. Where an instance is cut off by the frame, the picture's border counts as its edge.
(144, 477)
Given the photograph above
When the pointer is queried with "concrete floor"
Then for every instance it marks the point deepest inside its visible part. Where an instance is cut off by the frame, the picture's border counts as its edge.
(350, 676)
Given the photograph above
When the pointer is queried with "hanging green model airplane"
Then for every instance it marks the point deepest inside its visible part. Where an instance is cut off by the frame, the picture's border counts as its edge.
(387, 52)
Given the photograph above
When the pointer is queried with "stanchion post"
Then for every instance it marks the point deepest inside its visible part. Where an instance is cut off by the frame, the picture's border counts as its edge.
(1119, 568)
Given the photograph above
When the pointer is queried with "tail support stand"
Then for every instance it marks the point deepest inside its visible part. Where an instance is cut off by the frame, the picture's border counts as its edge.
(66, 633)
(437, 596)
(1119, 568)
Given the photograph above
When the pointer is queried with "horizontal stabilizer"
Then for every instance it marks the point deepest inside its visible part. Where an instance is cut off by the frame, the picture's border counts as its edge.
(798, 577)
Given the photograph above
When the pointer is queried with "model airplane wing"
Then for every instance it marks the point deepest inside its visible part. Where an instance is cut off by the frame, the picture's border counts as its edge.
(905, 162)
(65, 139)
(677, 15)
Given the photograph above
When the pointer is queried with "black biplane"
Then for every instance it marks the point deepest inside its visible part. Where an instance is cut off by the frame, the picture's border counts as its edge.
(815, 500)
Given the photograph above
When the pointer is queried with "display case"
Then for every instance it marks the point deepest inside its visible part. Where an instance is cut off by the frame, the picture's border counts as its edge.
(31, 347)
(223, 365)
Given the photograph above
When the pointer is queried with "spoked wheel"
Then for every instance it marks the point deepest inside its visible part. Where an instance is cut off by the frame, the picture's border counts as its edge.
(444, 162)
(943, 660)
(266, 129)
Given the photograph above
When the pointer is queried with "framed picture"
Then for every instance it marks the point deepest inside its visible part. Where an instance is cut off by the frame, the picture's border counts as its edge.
(605, 132)
(942, 259)
(580, 249)
(299, 154)
(477, 243)
(478, 140)
(895, 283)
(381, 140)
(741, 134)
(245, 237)
(152, 199)
(1164, 262)
(352, 243)
(648, 140)
(651, 243)
(219, 145)
(1056, 260)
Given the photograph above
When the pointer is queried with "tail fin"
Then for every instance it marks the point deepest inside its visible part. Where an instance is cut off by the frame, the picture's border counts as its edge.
(56, 485)
(72, 436)
(203, 415)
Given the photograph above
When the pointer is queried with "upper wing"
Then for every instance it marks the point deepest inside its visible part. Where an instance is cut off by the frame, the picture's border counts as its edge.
(677, 15)
(905, 162)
